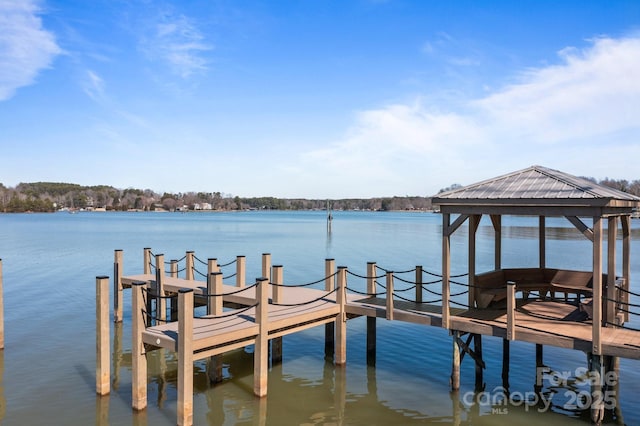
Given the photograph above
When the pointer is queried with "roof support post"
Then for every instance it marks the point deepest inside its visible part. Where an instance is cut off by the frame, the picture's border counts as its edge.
(626, 260)
(542, 242)
(612, 234)
(496, 220)
(474, 222)
(597, 286)
(446, 268)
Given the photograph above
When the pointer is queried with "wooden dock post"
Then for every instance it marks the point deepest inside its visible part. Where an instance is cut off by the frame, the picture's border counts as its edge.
(455, 363)
(173, 268)
(214, 307)
(117, 286)
(188, 268)
(595, 377)
(329, 328)
(2, 309)
(371, 321)
(161, 303)
(278, 280)
(185, 357)
(596, 332)
(610, 312)
(212, 265)
(390, 295)
(261, 352)
(138, 357)
(511, 310)
(341, 319)
(418, 284)
(477, 348)
(506, 359)
(146, 259)
(214, 293)
(266, 266)
(241, 263)
(103, 371)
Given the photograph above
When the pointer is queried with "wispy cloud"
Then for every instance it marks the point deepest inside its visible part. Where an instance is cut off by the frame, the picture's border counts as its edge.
(570, 116)
(26, 47)
(93, 86)
(175, 39)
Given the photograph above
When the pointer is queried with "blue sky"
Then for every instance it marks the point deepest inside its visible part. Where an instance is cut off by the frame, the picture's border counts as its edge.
(316, 99)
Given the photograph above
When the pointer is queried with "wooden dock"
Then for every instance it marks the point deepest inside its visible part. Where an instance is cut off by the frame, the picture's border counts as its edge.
(239, 315)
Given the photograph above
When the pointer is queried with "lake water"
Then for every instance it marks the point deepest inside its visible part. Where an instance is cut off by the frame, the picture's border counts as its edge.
(47, 370)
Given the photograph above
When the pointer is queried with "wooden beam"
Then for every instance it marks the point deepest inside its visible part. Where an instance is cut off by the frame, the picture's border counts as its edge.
(597, 286)
(214, 293)
(161, 303)
(261, 351)
(511, 310)
(241, 263)
(496, 220)
(455, 362)
(418, 284)
(118, 299)
(450, 229)
(474, 222)
(542, 242)
(588, 233)
(103, 372)
(371, 279)
(138, 356)
(341, 319)
(446, 269)
(188, 275)
(612, 294)
(389, 295)
(185, 357)
(626, 261)
(329, 328)
(146, 260)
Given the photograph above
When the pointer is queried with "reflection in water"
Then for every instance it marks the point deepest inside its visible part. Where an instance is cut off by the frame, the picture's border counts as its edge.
(3, 401)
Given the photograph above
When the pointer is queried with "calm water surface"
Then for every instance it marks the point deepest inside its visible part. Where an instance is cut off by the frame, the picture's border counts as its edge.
(47, 370)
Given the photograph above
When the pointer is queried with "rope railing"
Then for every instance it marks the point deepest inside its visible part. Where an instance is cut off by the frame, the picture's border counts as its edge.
(307, 284)
(230, 293)
(364, 293)
(624, 290)
(364, 277)
(230, 276)
(229, 263)
(433, 274)
(229, 313)
(395, 272)
(323, 297)
(199, 260)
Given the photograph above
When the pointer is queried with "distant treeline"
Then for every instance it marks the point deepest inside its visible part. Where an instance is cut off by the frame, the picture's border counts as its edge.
(52, 196)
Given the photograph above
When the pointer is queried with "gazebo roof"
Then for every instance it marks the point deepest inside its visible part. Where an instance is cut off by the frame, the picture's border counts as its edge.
(538, 190)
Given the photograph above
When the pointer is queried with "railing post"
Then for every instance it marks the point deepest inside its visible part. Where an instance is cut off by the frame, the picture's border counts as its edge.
(146, 257)
(188, 268)
(138, 357)
(117, 286)
(161, 303)
(390, 295)
(174, 268)
(371, 279)
(241, 262)
(418, 284)
(266, 266)
(212, 266)
(277, 280)
(214, 296)
(511, 310)
(185, 357)
(261, 351)
(341, 319)
(103, 371)
(329, 328)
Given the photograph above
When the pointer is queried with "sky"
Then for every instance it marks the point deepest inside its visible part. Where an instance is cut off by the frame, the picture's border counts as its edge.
(316, 98)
